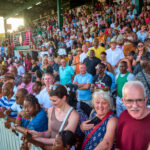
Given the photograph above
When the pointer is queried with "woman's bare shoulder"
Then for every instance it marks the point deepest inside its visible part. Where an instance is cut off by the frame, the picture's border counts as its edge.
(74, 114)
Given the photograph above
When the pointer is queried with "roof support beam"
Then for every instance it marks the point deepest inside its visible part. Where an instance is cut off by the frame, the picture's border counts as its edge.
(19, 9)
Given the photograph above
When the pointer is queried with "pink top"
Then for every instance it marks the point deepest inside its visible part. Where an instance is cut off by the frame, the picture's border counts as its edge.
(147, 20)
(27, 64)
(27, 87)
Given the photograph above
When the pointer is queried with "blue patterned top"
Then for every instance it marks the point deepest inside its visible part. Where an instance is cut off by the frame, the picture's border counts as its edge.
(98, 136)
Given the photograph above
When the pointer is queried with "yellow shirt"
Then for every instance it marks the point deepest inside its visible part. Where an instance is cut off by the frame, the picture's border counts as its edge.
(98, 51)
(2, 63)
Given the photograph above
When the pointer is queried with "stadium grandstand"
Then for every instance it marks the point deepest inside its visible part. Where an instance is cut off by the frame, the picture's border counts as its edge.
(74, 74)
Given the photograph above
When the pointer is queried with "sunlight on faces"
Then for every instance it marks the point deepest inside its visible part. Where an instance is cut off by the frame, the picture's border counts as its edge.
(56, 101)
(82, 68)
(102, 102)
(63, 62)
(101, 106)
(48, 80)
(135, 101)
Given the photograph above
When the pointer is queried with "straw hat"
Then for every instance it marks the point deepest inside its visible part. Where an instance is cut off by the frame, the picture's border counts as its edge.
(113, 40)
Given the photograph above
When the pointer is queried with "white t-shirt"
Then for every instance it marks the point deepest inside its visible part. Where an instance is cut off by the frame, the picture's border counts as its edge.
(83, 56)
(43, 99)
(89, 39)
(114, 56)
(20, 70)
(38, 97)
(43, 53)
(68, 43)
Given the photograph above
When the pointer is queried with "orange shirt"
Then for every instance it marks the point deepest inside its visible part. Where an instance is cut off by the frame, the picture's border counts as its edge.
(77, 59)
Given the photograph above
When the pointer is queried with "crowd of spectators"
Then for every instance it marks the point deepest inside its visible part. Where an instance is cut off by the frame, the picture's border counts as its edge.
(82, 78)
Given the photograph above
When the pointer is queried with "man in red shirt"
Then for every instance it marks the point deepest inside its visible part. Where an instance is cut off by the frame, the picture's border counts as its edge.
(133, 125)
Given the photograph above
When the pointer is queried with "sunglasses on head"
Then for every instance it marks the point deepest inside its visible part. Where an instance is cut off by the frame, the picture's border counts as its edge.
(53, 87)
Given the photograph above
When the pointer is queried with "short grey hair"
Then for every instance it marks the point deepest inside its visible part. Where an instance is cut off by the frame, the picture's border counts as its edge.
(104, 95)
(133, 84)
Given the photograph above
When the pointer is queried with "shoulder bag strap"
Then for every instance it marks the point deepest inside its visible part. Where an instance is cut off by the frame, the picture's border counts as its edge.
(146, 80)
(96, 127)
(66, 117)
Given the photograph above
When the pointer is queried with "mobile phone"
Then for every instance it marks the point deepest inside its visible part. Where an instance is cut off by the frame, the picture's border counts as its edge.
(95, 121)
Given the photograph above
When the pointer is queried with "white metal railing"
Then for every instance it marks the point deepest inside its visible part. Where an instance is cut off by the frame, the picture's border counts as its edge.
(20, 37)
(9, 140)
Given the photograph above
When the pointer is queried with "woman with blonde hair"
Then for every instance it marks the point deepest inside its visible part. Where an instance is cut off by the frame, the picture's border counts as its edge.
(100, 130)
(44, 64)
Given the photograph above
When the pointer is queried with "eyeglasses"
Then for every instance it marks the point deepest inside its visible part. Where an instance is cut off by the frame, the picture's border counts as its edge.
(138, 101)
(140, 45)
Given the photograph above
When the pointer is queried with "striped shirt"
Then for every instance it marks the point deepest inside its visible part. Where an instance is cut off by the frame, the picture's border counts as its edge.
(7, 103)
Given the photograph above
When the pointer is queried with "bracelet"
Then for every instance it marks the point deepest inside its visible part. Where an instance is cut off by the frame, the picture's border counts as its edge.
(19, 118)
(43, 134)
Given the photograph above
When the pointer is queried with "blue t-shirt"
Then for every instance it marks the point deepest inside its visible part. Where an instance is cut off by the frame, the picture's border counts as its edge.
(84, 94)
(66, 75)
(141, 37)
(113, 85)
(39, 122)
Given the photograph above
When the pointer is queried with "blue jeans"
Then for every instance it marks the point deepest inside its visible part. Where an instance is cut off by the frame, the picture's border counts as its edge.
(119, 106)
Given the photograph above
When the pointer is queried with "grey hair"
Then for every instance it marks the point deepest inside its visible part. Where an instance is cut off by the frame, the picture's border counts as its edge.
(133, 84)
(104, 95)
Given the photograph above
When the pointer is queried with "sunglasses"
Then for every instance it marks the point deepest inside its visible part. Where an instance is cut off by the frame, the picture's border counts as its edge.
(140, 45)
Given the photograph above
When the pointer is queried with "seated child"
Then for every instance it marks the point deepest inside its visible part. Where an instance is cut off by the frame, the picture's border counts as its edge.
(68, 139)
